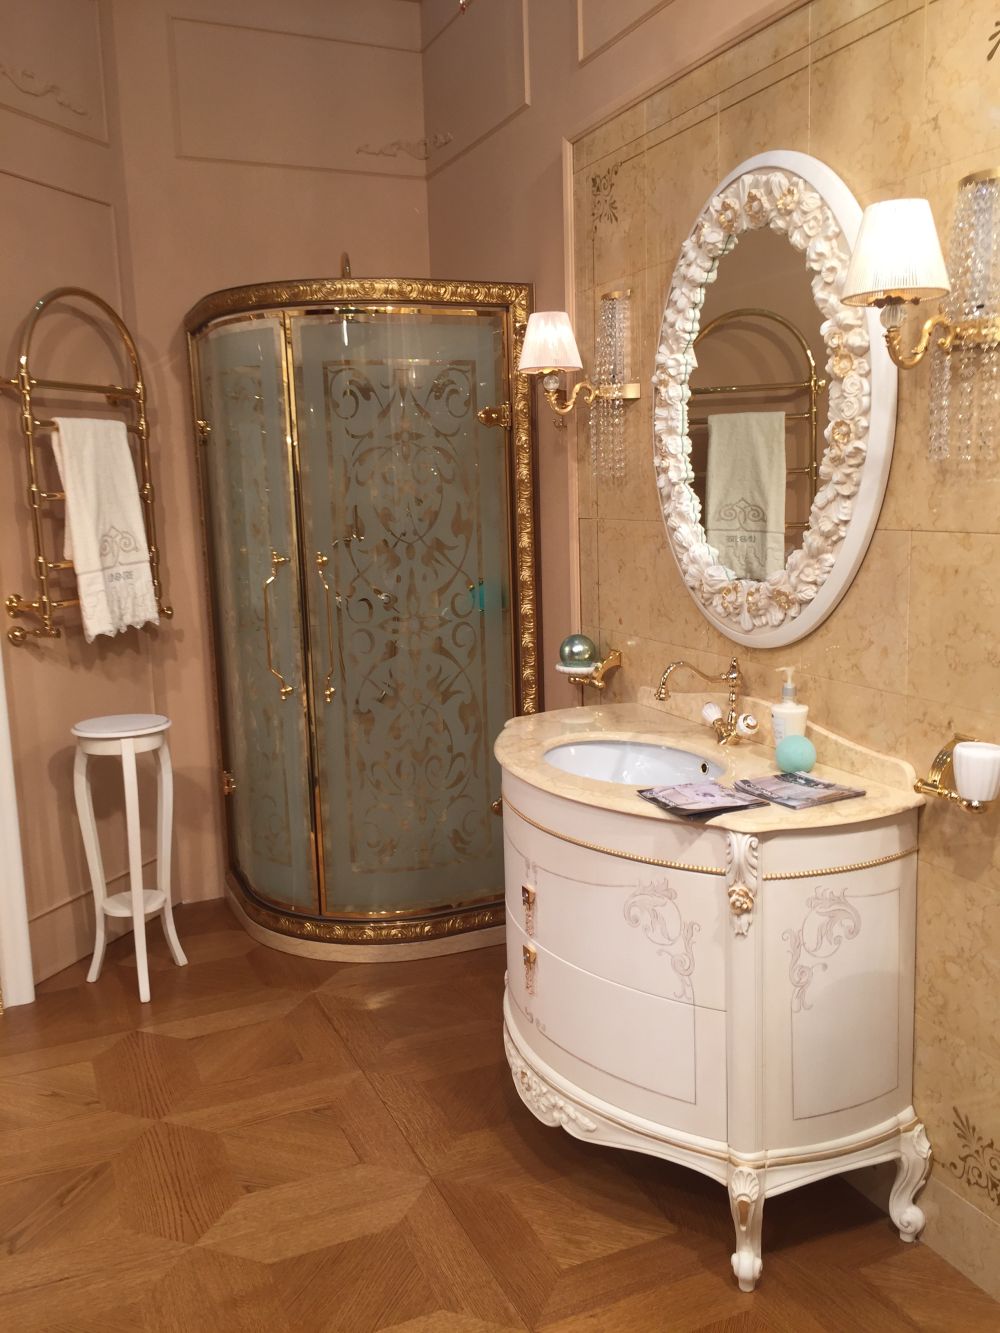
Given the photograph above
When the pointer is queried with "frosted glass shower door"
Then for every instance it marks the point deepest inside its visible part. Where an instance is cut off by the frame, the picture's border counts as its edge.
(406, 525)
(252, 545)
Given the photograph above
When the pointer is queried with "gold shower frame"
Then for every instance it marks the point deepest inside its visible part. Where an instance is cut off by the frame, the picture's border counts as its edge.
(287, 299)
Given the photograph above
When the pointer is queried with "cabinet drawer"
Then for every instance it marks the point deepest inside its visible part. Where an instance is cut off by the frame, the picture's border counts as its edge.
(649, 928)
(659, 1058)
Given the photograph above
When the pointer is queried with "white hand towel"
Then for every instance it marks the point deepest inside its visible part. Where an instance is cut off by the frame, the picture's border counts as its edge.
(745, 491)
(105, 535)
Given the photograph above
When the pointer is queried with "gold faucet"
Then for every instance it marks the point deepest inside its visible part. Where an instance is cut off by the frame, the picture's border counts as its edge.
(735, 725)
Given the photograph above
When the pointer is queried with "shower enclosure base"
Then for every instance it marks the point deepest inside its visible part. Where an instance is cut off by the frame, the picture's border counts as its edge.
(363, 950)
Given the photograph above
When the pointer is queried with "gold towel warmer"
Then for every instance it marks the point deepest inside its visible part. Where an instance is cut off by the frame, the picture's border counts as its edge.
(811, 384)
(23, 386)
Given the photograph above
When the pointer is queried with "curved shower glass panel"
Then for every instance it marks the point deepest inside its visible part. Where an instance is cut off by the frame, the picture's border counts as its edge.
(368, 486)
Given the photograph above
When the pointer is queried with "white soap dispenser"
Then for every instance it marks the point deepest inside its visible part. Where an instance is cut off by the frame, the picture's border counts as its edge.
(788, 718)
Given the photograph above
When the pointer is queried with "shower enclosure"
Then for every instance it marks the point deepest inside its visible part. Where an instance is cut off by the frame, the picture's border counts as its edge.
(368, 489)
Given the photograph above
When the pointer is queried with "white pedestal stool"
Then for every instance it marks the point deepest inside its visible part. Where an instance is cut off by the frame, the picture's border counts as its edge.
(126, 735)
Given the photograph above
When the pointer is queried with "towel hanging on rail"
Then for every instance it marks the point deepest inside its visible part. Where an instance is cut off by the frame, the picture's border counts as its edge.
(745, 492)
(105, 535)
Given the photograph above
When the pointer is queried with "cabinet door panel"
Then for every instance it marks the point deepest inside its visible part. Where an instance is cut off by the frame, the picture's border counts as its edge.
(655, 1057)
(645, 927)
(838, 963)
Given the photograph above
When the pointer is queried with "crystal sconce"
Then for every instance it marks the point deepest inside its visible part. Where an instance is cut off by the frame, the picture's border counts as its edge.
(550, 348)
(897, 260)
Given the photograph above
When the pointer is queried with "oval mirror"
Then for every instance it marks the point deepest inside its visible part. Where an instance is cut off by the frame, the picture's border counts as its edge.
(775, 403)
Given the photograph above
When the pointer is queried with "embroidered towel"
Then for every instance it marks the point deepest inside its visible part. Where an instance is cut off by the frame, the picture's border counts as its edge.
(745, 491)
(105, 535)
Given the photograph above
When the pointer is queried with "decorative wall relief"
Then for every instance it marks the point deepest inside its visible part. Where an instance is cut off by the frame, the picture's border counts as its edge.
(978, 1161)
(604, 207)
(831, 921)
(420, 149)
(27, 81)
(654, 909)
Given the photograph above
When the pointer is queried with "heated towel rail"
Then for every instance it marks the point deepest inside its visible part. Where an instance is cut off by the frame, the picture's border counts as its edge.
(25, 387)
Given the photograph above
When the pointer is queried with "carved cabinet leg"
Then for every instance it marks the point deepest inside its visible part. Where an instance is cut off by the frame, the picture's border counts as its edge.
(746, 1200)
(911, 1174)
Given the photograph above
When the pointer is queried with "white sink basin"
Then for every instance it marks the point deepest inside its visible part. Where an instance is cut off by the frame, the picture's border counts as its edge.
(635, 763)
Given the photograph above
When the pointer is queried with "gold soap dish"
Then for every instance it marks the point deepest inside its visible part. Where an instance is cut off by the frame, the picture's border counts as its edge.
(592, 673)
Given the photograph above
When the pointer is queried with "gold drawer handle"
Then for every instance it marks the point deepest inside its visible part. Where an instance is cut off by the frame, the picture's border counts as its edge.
(530, 959)
(528, 906)
(329, 689)
(284, 689)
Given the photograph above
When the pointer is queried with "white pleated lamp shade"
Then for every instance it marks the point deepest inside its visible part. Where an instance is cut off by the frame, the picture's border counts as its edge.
(897, 254)
(549, 343)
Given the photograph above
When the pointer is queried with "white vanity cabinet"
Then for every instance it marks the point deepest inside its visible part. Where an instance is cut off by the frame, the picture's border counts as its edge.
(737, 1001)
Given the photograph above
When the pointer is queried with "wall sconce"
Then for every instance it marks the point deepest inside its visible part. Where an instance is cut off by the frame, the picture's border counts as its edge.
(550, 348)
(966, 772)
(897, 261)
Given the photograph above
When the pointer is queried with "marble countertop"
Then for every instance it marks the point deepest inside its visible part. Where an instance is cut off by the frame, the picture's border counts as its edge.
(521, 746)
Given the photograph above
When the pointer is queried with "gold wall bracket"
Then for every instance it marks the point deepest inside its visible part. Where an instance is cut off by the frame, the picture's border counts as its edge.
(596, 678)
(940, 781)
(563, 403)
(966, 333)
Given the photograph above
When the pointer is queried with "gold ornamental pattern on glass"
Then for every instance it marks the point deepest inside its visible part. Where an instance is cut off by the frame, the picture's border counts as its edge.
(516, 298)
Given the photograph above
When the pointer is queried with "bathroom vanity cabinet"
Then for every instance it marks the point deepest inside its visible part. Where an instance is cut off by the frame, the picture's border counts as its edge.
(736, 997)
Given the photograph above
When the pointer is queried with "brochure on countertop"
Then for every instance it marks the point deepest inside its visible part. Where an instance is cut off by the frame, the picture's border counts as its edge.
(701, 800)
(796, 791)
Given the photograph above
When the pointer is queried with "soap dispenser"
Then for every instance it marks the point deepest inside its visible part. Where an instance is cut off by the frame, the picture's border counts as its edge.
(788, 718)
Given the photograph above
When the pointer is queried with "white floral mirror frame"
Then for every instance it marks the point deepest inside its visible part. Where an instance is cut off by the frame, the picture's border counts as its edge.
(800, 197)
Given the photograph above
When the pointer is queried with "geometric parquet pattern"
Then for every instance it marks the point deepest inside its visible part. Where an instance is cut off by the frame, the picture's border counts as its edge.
(288, 1146)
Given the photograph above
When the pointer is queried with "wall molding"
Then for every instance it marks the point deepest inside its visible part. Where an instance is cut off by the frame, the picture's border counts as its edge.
(16, 974)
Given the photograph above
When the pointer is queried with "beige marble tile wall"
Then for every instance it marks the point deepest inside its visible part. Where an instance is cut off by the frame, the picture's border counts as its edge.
(899, 98)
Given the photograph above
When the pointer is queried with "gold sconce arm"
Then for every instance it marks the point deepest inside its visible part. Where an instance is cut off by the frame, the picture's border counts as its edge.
(907, 360)
(563, 403)
(968, 333)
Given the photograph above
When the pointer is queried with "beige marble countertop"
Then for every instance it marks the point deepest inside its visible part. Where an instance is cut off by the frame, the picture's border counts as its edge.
(521, 746)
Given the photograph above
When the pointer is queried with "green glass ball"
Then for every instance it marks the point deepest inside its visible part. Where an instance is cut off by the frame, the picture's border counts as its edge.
(795, 754)
(577, 650)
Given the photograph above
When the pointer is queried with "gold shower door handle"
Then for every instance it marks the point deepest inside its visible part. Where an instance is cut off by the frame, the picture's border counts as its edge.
(329, 689)
(284, 689)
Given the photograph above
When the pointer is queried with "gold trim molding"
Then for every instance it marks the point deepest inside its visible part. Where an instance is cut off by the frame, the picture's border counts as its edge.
(842, 870)
(611, 851)
(333, 931)
(708, 870)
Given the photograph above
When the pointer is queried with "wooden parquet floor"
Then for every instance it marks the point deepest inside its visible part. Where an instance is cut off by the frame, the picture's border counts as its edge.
(289, 1146)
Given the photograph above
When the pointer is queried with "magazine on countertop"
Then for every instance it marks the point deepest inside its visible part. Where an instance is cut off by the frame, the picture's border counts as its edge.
(701, 800)
(795, 791)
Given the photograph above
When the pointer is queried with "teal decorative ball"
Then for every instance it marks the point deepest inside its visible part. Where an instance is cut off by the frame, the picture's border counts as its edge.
(795, 754)
(577, 650)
